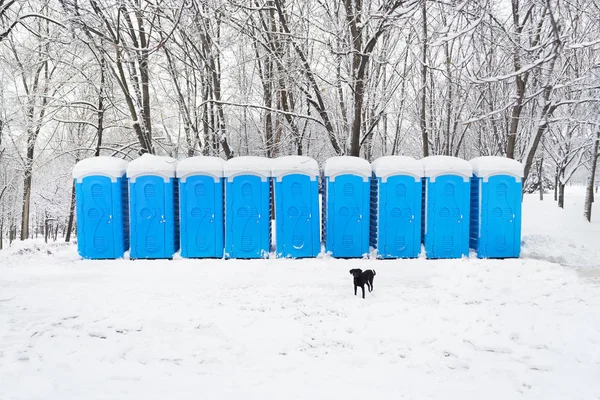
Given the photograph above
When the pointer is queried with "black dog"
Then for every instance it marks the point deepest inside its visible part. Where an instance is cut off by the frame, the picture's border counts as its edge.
(360, 278)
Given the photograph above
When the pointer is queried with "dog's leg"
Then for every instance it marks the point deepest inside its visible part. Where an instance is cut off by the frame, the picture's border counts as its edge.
(355, 288)
(363, 290)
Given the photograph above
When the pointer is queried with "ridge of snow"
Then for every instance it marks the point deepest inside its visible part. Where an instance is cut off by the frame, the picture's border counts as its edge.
(149, 164)
(286, 165)
(387, 166)
(248, 165)
(342, 165)
(111, 167)
(487, 166)
(435, 166)
(200, 165)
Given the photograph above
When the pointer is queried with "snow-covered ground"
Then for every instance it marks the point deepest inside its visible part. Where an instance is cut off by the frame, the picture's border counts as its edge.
(292, 329)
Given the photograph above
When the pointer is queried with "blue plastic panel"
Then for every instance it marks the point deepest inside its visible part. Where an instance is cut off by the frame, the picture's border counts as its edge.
(297, 216)
(201, 217)
(399, 228)
(500, 217)
(374, 211)
(247, 217)
(348, 216)
(447, 217)
(475, 217)
(154, 217)
(101, 217)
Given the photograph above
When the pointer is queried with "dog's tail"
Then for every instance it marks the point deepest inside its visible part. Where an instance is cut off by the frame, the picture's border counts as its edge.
(374, 273)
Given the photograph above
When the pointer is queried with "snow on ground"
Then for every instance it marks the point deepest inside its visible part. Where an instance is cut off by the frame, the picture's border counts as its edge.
(562, 236)
(292, 329)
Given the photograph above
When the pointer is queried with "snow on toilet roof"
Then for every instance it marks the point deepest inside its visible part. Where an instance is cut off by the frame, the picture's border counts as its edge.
(201, 165)
(487, 166)
(342, 165)
(286, 165)
(149, 164)
(248, 165)
(106, 166)
(387, 166)
(445, 165)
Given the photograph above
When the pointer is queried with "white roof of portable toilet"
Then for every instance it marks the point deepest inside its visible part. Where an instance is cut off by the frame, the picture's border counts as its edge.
(343, 165)
(201, 165)
(387, 166)
(248, 165)
(152, 165)
(435, 166)
(103, 165)
(287, 165)
(487, 166)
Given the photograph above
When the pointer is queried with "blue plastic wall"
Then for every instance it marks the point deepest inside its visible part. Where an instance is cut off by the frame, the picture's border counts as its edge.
(247, 217)
(447, 217)
(398, 217)
(154, 206)
(347, 225)
(297, 216)
(102, 218)
(374, 212)
(496, 216)
(201, 217)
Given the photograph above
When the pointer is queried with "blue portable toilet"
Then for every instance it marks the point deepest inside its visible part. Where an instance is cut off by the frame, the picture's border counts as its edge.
(101, 207)
(296, 198)
(496, 195)
(396, 206)
(154, 207)
(346, 195)
(247, 207)
(447, 190)
(201, 207)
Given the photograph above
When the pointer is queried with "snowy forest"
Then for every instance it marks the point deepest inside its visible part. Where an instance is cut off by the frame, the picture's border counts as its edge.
(82, 78)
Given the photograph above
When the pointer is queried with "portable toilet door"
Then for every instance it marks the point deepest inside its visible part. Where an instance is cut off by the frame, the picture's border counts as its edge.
(346, 199)
(154, 203)
(296, 198)
(447, 202)
(396, 207)
(247, 207)
(201, 207)
(101, 207)
(496, 201)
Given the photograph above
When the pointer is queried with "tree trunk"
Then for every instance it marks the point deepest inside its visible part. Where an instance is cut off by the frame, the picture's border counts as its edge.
(589, 190)
(205, 122)
(556, 185)
(423, 122)
(561, 195)
(545, 115)
(71, 215)
(46, 228)
(318, 103)
(449, 96)
(541, 177)
(211, 47)
(27, 191)
(515, 118)
(100, 111)
(353, 17)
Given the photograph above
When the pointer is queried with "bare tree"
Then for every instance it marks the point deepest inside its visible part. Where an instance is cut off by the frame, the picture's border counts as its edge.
(124, 35)
(36, 72)
(589, 187)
